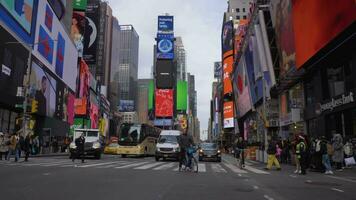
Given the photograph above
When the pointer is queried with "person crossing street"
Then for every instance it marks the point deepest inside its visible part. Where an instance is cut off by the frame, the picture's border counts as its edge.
(272, 159)
(79, 143)
(301, 154)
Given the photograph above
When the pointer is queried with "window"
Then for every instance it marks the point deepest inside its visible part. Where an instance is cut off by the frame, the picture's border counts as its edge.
(243, 10)
(244, 17)
(237, 9)
(237, 17)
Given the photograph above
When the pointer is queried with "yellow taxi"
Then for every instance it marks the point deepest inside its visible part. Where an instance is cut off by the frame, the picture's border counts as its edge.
(111, 148)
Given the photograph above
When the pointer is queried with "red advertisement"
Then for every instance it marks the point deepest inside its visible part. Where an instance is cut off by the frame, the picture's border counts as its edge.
(227, 68)
(80, 106)
(325, 20)
(164, 103)
(70, 108)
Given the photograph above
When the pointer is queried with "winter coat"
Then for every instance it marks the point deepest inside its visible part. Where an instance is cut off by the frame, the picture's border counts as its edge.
(338, 155)
(272, 150)
(3, 145)
(13, 142)
(185, 141)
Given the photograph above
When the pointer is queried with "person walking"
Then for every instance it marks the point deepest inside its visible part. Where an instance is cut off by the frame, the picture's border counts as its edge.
(272, 160)
(325, 155)
(3, 145)
(27, 147)
(294, 149)
(185, 141)
(301, 153)
(13, 147)
(79, 142)
(338, 156)
(241, 146)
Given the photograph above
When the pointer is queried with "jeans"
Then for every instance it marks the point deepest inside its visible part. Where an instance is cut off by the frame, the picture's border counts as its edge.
(13, 151)
(326, 162)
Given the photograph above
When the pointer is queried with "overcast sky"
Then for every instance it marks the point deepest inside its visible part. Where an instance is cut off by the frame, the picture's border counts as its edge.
(198, 22)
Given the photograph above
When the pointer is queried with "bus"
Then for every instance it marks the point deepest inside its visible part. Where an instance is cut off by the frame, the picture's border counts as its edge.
(137, 139)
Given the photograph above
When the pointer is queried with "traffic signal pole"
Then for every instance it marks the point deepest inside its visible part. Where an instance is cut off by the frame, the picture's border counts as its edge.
(26, 86)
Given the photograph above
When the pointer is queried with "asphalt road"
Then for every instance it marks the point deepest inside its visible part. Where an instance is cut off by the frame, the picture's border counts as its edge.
(114, 177)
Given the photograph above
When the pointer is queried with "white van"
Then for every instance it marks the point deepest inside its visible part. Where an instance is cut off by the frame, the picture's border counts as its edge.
(167, 145)
(93, 142)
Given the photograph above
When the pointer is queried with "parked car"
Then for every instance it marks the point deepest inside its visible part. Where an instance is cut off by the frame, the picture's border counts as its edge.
(209, 151)
(167, 145)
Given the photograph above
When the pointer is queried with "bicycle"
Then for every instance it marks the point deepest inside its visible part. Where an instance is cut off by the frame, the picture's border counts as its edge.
(241, 159)
(194, 162)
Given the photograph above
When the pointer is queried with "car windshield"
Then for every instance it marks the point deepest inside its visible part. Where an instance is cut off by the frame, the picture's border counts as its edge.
(130, 135)
(92, 133)
(113, 145)
(168, 139)
(209, 146)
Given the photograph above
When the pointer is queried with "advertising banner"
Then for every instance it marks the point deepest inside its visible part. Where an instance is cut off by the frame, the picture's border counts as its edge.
(326, 20)
(126, 106)
(162, 122)
(226, 39)
(239, 36)
(91, 33)
(227, 69)
(228, 114)
(164, 74)
(55, 49)
(20, 17)
(217, 70)
(241, 89)
(165, 46)
(151, 90)
(80, 4)
(182, 94)
(165, 24)
(70, 108)
(80, 106)
(164, 103)
(77, 31)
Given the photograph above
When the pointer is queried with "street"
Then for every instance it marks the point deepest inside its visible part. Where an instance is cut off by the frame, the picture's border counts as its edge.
(143, 178)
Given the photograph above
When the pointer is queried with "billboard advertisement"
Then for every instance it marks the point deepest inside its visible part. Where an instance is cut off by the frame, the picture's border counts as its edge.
(77, 31)
(55, 49)
(151, 90)
(326, 20)
(241, 89)
(239, 36)
(228, 114)
(20, 17)
(165, 46)
(164, 74)
(126, 106)
(162, 122)
(91, 33)
(80, 4)
(164, 103)
(182, 95)
(226, 39)
(165, 24)
(227, 69)
(80, 106)
(217, 70)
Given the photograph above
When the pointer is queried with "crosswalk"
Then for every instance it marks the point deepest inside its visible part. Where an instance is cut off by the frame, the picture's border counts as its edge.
(223, 167)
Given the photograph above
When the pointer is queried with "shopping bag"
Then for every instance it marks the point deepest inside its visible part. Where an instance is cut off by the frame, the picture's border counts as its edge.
(350, 161)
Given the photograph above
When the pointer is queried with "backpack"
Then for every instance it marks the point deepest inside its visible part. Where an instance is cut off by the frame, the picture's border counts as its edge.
(330, 149)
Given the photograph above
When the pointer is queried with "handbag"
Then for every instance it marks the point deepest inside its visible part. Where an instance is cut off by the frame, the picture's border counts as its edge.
(350, 161)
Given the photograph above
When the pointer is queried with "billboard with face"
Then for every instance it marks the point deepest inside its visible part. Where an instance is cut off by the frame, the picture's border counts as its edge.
(227, 69)
(164, 103)
(77, 30)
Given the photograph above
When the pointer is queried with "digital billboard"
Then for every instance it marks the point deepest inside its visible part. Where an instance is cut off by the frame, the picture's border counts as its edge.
(165, 46)
(79, 4)
(55, 48)
(164, 103)
(77, 30)
(126, 106)
(326, 20)
(165, 24)
(163, 122)
(226, 39)
(217, 70)
(227, 69)
(91, 33)
(228, 114)
(20, 17)
(182, 94)
(241, 89)
(151, 90)
(164, 74)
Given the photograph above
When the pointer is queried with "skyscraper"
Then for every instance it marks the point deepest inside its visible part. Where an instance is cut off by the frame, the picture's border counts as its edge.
(128, 63)
(179, 53)
(142, 103)
(237, 10)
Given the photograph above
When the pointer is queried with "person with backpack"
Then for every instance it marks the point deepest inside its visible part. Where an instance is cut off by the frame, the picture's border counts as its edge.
(338, 156)
(301, 153)
(13, 147)
(325, 155)
(272, 159)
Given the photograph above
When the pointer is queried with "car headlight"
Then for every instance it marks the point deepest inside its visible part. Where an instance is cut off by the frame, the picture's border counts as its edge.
(96, 145)
(201, 150)
(72, 146)
(219, 151)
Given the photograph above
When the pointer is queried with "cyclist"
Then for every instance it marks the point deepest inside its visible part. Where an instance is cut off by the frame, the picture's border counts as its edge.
(185, 141)
(241, 146)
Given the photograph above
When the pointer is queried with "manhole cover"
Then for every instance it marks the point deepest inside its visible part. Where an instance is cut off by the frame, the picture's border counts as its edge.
(322, 183)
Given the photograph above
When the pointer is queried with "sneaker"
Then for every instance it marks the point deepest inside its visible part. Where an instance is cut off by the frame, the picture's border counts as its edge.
(265, 168)
(300, 171)
(331, 172)
(296, 171)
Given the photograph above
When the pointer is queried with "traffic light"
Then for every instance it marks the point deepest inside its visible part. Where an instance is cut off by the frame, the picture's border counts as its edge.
(34, 106)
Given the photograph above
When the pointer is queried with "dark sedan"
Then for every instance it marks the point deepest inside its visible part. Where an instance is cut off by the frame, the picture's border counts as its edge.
(209, 151)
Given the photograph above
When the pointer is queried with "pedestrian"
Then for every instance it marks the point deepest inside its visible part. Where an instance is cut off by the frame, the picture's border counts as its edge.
(272, 160)
(3, 145)
(286, 151)
(338, 156)
(79, 143)
(21, 145)
(35, 145)
(348, 151)
(27, 147)
(301, 152)
(294, 149)
(325, 155)
(241, 146)
(13, 147)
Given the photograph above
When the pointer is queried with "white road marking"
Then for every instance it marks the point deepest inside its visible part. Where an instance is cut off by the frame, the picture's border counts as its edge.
(343, 179)
(218, 168)
(338, 190)
(293, 176)
(131, 165)
(45, 163)
(96, 164)
(149, 165)
(239, 174)
(235, 169)
(46, 174)
(201, 167)
(114, 165)
(166, 166)
(255, 187)
(257, 171)
(267, 197)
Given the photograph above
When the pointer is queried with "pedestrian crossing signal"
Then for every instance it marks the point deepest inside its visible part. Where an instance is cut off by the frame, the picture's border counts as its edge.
(34, 106)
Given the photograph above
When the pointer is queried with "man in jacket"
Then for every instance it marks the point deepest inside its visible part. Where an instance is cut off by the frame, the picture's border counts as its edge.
(13, 147)
(271, 151)
(79, 143)
(27, 147)
(338, 156)
(325, 155)
(301, 154)
(185, 141)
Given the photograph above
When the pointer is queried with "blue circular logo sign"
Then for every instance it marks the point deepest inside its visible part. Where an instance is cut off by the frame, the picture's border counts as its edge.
(165, 46)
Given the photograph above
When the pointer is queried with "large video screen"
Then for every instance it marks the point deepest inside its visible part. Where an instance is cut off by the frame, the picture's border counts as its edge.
(164, 103)
(164, 74)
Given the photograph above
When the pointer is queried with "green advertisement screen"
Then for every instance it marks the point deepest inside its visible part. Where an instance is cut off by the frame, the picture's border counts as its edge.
(151, 89)
(182, 93)
(80, 4)
(79, 123)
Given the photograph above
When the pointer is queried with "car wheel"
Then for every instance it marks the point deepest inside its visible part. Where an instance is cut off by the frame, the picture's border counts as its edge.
(218, 160)
(157, 158)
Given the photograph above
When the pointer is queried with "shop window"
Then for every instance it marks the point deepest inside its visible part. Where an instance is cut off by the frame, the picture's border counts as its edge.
(335, 80)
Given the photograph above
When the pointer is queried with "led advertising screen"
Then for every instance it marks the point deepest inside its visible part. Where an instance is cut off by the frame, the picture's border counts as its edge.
(151, 90)
(227, 69)
(126, 106)
(163, 122)
(79, 4)
(241, 89)
(165, 24)
(55, 48)
(164, 103)
(228, 114)
(91, 33)
(226, 39)
(326, 20)
(217, 70)
(165, 46)
(164, 74)
(20, 17)
(182, 95)
(77, 30)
